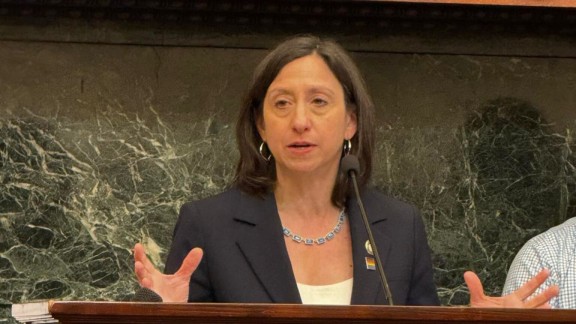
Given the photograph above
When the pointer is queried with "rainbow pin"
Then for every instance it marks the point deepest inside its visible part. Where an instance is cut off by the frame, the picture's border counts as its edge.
(370, 263)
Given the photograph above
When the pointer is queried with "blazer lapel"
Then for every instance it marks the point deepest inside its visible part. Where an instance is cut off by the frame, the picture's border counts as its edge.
(367, 289)
(261, 241)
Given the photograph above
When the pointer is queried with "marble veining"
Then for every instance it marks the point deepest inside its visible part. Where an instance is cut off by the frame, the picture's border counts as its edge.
(75, 198)
(483, 188)
(103, 154)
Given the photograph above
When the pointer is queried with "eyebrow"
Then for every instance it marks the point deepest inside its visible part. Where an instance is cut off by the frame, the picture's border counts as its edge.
(313, 89)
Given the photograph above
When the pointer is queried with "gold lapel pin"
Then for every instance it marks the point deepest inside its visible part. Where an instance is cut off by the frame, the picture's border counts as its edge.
(368, 247)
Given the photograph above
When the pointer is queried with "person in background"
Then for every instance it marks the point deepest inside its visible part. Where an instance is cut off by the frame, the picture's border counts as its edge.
(554, 250)
(288, 230)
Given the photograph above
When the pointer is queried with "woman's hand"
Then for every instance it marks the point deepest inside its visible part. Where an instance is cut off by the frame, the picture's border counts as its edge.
(172, 288)
(517, 299)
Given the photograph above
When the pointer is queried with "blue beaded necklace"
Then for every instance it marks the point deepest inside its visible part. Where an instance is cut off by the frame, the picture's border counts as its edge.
(321, 240)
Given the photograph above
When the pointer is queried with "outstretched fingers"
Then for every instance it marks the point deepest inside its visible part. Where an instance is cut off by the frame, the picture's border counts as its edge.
(171, 287)
(542, 299)
(527, 289)
(518, 299)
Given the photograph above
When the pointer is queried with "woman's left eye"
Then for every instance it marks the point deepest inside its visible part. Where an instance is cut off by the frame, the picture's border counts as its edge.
(319, 101)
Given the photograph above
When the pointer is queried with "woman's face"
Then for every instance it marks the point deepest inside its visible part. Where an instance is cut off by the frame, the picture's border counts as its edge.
(305, 120)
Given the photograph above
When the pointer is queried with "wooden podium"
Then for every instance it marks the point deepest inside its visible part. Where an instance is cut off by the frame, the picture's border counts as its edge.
(128, 312)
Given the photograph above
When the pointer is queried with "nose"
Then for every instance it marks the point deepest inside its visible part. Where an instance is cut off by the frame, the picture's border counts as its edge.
(301, 119)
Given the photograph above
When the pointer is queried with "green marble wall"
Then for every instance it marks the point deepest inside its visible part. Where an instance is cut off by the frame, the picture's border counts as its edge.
(101, 144)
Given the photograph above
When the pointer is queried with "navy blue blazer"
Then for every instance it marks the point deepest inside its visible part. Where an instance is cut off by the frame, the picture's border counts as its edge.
(246, 261)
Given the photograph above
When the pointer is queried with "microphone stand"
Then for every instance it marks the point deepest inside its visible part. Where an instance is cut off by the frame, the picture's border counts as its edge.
(383, 281)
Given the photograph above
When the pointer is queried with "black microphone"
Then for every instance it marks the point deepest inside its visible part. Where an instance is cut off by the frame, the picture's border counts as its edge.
(146, 295)
(351, 167)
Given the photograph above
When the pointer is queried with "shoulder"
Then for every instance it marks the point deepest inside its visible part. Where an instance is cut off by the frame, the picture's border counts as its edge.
(227, 201)
(395, 213)
(221, 200)
(228, 204)
(212, 209)
(555, 238)
(548, 248)
(382, 202)
(562, 231)
(551, 248)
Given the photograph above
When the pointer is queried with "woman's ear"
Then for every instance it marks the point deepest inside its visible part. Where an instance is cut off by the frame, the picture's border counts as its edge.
(261, 128)
(351, 125)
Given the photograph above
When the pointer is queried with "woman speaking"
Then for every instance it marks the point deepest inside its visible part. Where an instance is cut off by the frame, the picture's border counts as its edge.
(289, 229)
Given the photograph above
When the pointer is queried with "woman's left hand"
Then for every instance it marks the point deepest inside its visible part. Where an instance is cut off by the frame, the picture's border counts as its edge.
(517, 299)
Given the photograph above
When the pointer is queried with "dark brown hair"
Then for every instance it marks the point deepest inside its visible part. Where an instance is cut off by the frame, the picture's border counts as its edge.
(254, 174)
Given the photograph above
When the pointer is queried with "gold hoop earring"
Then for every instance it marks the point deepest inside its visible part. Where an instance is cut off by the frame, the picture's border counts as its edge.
(261, 150)
(347, 147)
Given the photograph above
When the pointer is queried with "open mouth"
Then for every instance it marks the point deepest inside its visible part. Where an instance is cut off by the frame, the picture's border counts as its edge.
(300, 145)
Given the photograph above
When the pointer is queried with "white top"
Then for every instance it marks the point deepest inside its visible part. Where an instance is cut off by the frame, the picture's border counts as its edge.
(335, 294)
